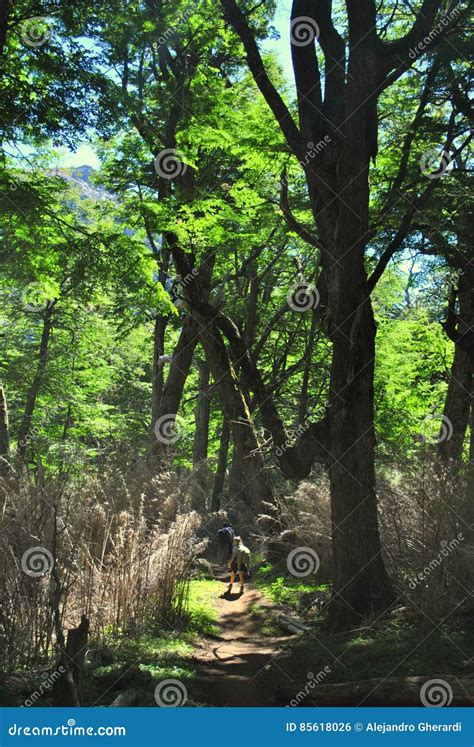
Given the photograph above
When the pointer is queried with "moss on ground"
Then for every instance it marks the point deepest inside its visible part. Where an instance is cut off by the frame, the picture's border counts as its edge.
(202, 605)
(298, 594)
(393, 648)
(397, 646)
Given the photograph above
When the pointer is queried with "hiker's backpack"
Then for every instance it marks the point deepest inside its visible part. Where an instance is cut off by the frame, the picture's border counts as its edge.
(225, 536)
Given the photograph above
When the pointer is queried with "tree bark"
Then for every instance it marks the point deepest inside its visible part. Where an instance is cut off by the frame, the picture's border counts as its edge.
(304, 394)
(236, 412)
(219, 479)
(4, 433)
(236, 486)
(157, 370)
(68, 689)
(174, 386)
(459, 326)
(469, 500)
(203, 413)
(392, 691)
(25, 426)
(295, 460)
(361, 585)
(456, 410)
(130, 697)
(182, 358)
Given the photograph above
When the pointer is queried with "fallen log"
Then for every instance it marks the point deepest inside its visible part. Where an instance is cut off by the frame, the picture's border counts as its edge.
(392, 691)
(291, 624)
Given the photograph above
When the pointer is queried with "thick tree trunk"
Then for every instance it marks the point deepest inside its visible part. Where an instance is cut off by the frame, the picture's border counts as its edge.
(173, 389)
(456, 411)
(25, 426)
(361, 585)
(234, 406)
(459, 405)
(157, 370)
(203, 413)
(221, 470)
(237, 487)
(304, 394)
(4, 433)
(459, 326)
(467, 549)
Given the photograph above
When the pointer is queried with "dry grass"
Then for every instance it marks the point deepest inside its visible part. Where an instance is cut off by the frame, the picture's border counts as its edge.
(124, 549)
(126, 571)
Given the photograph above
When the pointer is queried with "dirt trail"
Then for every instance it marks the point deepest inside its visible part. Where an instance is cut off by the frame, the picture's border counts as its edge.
(237, 667)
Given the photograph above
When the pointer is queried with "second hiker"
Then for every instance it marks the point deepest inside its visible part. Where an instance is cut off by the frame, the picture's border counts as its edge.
(239, 563)
(225, 538)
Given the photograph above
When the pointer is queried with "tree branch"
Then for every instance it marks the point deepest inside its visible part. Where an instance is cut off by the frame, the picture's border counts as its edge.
(398, 56)
(334, 51)
(234, 16)
(295, 461)
(306, 73)
(293, 224)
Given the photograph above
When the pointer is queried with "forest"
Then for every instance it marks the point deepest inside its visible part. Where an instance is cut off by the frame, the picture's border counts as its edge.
(237, 286)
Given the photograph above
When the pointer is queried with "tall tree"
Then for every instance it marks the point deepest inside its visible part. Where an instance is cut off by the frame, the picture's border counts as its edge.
(337, 180)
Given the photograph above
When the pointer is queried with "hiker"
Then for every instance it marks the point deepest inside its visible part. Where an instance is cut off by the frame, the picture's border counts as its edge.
(239, 563)
(225, 539)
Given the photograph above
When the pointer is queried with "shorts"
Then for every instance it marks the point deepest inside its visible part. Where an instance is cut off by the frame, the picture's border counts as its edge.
(243, 567)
